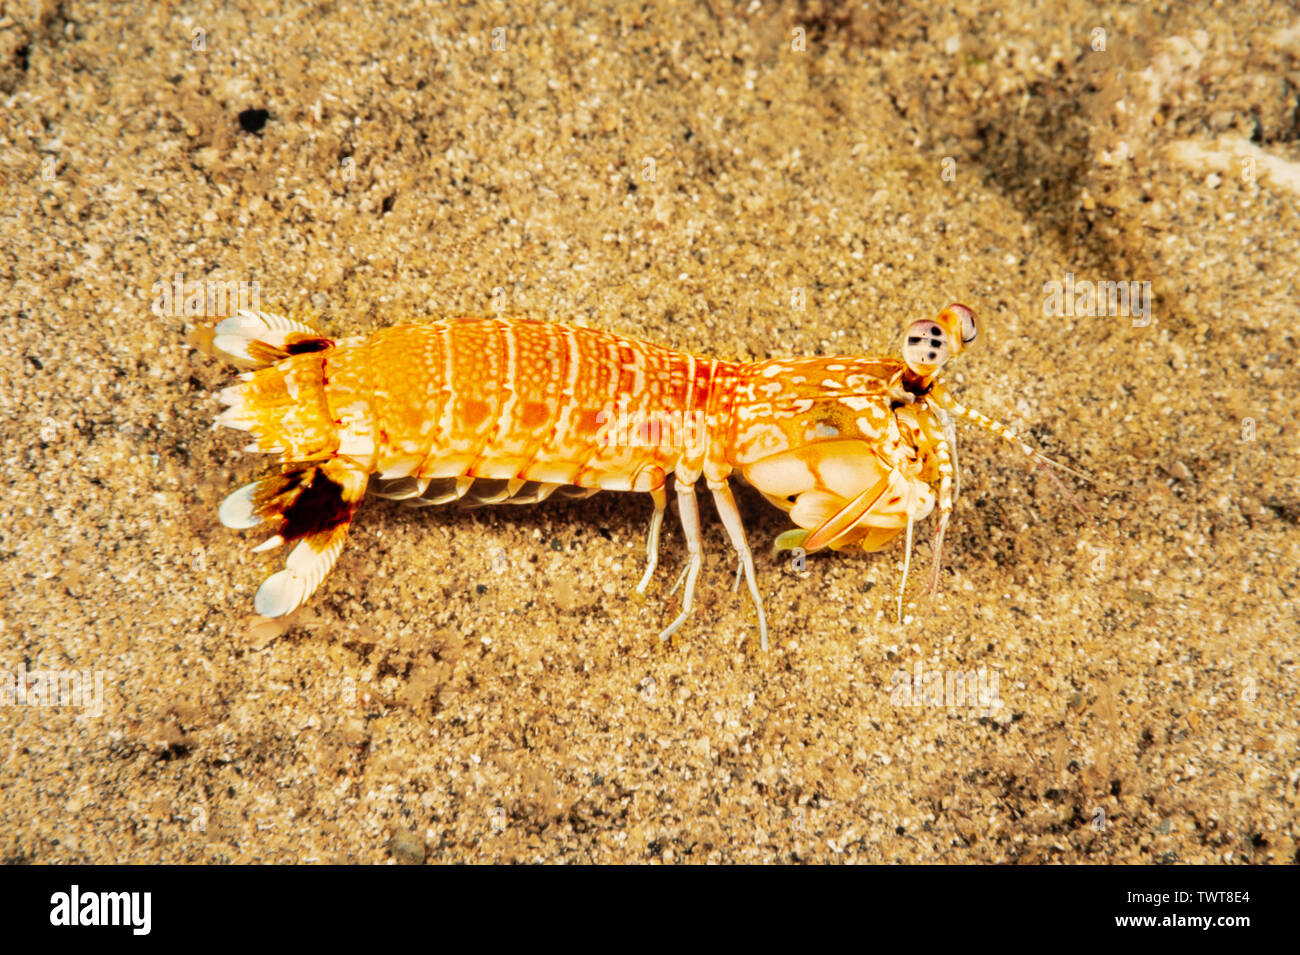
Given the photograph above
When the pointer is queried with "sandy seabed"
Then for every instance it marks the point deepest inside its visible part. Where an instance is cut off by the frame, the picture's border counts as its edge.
(742, 180)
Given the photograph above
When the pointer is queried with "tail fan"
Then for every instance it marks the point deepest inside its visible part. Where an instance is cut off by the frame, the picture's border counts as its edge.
(309, 503)
(257, 339)
(310, 508)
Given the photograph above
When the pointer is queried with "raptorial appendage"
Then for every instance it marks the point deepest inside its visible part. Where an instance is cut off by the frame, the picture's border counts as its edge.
(858, 450)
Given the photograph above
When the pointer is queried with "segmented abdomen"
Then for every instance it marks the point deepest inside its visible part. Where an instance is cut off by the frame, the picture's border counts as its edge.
(519, 401)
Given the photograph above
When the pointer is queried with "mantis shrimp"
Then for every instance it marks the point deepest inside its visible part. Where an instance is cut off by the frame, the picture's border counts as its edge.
(855, 449)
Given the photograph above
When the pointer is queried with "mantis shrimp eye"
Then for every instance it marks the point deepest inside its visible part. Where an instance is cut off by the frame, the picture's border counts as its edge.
(929, 343)
(969, 332)
(926, 346)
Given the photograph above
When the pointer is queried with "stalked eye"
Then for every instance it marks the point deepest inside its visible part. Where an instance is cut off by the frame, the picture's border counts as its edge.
(968, 330)
(926, 344)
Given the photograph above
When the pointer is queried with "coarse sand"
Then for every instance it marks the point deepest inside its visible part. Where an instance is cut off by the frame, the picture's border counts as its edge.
(736, 179)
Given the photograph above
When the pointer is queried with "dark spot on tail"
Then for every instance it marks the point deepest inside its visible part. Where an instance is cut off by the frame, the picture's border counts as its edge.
(318, 507)
(307, 345)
